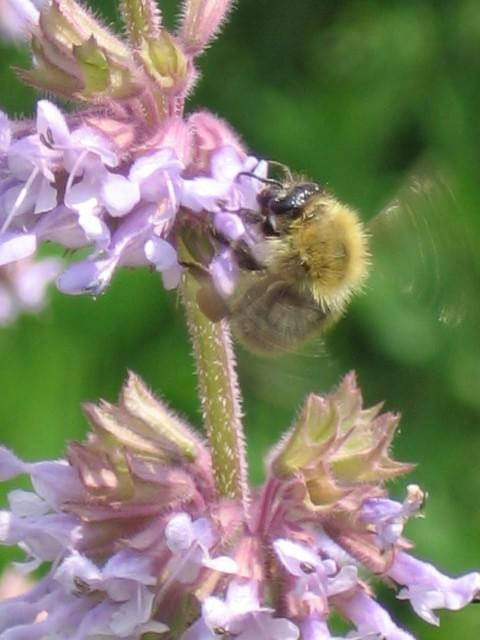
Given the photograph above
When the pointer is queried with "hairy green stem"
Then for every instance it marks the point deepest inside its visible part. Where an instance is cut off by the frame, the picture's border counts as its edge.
(219, 396)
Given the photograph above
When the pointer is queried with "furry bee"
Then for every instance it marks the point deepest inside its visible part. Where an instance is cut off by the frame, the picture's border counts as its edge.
(312, 257)
(311, 254)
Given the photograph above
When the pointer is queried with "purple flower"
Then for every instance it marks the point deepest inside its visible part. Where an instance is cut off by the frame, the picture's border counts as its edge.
(189, 543)
(121, 178)
(370, 619)
(224, 272)
(428, 589)
(224, 190)
(240, 615)
(23, 286)
(314, 628)
(117, 545)
(388, 517)
(135, 533)
(66, 183)
(17, 17)
(314, 576)
(80, 600)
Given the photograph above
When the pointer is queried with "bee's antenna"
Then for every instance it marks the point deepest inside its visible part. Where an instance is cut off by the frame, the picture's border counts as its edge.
(283, 167)
(277, 183)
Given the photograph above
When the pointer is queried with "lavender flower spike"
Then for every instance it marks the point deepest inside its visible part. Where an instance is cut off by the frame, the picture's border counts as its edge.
(138, 539)
(125, 175)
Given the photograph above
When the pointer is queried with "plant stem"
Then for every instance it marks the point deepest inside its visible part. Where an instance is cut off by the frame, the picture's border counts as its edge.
(219, 396)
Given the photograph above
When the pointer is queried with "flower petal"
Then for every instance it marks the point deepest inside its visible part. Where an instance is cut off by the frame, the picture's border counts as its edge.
(16, 246)
(293, 555)
(10, 465)
(429, 589)
(87, 276)
(5, 132)
(179, 533)
(160, 253)
(119, 194)
(51, 123)
(224, 271)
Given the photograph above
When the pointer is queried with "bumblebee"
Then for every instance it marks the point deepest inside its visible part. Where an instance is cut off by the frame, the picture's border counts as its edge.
(311, 258)
(308, 254)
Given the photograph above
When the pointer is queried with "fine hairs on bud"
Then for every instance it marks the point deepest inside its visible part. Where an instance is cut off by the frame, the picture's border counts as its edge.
(201, 21)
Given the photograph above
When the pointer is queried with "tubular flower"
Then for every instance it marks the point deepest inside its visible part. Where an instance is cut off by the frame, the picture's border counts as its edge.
(120, 175)
(138, 539)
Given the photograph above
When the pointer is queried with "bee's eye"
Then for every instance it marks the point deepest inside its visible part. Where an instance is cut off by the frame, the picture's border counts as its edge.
(293, 202)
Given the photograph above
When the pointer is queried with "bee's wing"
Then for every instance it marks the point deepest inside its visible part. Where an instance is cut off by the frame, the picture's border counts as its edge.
(274, 317)
(421, 247)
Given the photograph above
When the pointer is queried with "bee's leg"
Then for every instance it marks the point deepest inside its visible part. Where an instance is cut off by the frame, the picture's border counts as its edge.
(199, 271)
(244, 256)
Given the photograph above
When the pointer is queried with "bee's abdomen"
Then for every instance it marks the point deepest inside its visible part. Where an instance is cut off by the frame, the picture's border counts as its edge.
(275, 317)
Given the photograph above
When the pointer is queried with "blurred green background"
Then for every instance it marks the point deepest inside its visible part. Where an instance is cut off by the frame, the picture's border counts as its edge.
(354, 94)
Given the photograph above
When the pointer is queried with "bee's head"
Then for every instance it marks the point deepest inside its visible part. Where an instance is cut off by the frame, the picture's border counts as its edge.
(281, 203)
(286, 199)
(282, 200)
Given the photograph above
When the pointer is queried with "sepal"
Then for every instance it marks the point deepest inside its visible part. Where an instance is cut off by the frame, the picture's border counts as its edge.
(335, 445)
(201, 21)
(164, 62)
(142, 18)
(77, 57)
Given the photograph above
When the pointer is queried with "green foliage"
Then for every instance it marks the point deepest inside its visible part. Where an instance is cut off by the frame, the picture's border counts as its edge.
(353, 94)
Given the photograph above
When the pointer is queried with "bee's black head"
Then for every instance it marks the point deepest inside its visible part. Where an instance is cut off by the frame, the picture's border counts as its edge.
(279, 200)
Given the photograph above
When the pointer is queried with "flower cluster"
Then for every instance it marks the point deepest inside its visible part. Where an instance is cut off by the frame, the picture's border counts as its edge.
(119, 176)
(69, 185)
(139, 540)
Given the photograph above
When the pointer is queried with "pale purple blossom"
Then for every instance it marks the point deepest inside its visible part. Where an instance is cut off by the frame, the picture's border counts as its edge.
(17, 17)
(241, 615)
(190, 541)
(314, 628)
(224, 272)
(66, 183)
(23, 286)
(371, 619)
(312, 575)
(134, 531)
(120, 178)
(388, 517)
(428, 589)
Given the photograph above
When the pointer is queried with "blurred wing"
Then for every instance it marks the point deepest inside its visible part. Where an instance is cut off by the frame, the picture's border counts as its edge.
(272, 317)
(422, 248)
